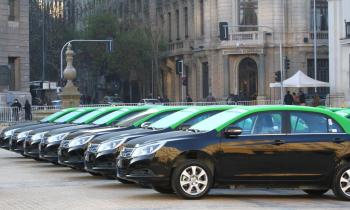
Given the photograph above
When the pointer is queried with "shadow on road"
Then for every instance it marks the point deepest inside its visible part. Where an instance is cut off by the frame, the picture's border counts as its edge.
(117, 185)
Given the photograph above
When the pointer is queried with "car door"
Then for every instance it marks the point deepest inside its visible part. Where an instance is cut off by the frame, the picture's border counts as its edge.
(308, 152)
(250, 156)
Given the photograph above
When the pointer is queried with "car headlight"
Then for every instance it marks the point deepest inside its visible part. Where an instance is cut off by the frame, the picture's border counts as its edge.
(38, 136)
(81, 140)
(9, 133)
(58, 137)
(147, 149)
(23, 134)
(110, 145)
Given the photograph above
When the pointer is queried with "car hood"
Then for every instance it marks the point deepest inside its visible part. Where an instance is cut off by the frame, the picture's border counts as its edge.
(32, 127)
(120, 134)
(167, 136)
(49, 128)
(20, 125)
(71, 128)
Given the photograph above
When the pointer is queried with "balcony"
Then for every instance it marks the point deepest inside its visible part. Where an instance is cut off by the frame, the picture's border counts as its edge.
(245, 39)
(179, 47)
(302, 38)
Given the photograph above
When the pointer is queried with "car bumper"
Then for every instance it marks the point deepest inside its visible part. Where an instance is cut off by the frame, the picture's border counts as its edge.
(5, 142)
(103, 163)
(48, 151)
(16, 145)
(143, 170)
(31, 149)
(72, 157)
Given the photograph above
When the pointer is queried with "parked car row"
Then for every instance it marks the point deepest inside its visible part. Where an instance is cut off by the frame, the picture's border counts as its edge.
(189, 150)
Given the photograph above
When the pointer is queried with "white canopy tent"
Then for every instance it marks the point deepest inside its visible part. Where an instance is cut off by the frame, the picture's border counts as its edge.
(299, 80)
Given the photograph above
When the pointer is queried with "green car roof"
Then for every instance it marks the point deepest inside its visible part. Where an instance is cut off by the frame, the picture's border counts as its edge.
(333, 109)
(57, 115)
(119, 114)
(91, 116)
(344, 112)
(74, 115)
(184, 115)
(242, 111)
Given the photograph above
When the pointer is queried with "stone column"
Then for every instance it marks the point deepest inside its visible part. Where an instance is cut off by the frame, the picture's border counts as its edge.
(70, 95)
(226, 75)
(261, 78)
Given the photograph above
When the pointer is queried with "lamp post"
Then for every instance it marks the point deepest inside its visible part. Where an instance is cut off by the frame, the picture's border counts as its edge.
(109, 41)
(315, 43)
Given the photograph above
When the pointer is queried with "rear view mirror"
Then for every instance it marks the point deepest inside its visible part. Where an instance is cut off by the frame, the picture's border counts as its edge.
(145, 124)
(183, 127)
(233, 132)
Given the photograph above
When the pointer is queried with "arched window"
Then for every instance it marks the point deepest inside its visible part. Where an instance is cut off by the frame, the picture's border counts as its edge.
(248, 14)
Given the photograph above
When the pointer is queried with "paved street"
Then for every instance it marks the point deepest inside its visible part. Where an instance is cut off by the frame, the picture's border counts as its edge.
(29, 184)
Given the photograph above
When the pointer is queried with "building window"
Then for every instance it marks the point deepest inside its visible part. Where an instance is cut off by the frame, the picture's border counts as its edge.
(205, 79)
(13, 64)
(177, 25)
(13, 10)
(347, 29)
(201, 6)
(322, 74)
(169, 26)
(186, 21)
(248, 14)
(321, 15)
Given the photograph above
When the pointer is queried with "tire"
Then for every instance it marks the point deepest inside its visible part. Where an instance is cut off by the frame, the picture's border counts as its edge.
(163, 189)
(199, 185)
(316, 193)
(341, 182)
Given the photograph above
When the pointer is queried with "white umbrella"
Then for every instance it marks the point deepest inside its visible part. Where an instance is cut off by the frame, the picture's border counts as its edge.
(299, 80)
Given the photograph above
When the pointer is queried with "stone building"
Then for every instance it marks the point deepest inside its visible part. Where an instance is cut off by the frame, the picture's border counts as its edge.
(244, 64)
(14, 50)
(339, 48)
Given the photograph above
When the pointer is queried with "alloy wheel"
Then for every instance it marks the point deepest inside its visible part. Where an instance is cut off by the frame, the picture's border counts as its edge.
(345, 182)
(194, 180)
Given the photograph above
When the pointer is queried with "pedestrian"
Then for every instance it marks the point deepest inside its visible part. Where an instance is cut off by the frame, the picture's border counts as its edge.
(288, 99)
(16, 108)
(189, 99)
(27, 111)
(295, 98)
(166, 100)
(302, 98)
(210, 98)
(160, 98)
(316, 100)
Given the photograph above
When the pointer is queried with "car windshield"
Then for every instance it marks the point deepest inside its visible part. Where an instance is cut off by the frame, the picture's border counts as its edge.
(53, 116)
(217, 120)
(170, 120)
(68, 116)
(113, 115)
(131, 120)
(86, 117)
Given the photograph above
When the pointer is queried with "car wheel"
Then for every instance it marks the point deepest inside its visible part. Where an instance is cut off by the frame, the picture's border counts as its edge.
(163, 189)
(191, 180)
(316, 192)
(341, 182)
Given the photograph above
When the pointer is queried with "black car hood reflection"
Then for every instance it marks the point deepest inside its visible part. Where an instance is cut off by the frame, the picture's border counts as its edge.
(69, 129)
(123, 134)
(167, 136)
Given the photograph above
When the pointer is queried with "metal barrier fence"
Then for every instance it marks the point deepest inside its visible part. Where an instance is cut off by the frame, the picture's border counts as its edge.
(11, 115)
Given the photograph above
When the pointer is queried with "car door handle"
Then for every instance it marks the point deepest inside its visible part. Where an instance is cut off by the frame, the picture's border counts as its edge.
(338, 140)
(278, 142)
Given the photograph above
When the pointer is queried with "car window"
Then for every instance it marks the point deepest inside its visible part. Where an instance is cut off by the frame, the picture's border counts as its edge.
(302, 122)
(262, 123)
(199, 118)
(159, 116)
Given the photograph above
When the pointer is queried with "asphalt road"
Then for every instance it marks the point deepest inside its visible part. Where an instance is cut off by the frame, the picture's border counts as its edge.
(29, 184)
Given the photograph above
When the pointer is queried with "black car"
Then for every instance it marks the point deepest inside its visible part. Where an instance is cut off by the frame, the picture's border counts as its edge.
(265, 146)
(71, 152)
(102, 151)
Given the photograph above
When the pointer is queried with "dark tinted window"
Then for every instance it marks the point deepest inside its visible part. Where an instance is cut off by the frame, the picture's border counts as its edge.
(302, 122)
(199, 118)
(160, 116)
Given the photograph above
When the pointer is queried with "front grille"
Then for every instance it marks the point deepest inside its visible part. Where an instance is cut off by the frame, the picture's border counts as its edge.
(93, 148)
(64, 144)
(126, 152)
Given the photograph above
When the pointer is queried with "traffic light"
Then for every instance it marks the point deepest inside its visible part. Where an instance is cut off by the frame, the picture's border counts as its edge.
(223, 27)
(179, 66)
(278, 76)
(286, 63)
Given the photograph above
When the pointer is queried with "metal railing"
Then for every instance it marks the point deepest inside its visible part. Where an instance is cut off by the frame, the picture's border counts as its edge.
(11, 115)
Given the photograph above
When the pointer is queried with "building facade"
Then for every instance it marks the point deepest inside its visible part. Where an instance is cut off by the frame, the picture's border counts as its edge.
(339, 48)
(14, 50)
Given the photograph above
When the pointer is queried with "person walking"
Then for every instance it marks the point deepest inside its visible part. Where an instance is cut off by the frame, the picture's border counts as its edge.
(302, 98)
(210, 98)
(295, 98)
(27, 111)
(288, 99)
(16, 108)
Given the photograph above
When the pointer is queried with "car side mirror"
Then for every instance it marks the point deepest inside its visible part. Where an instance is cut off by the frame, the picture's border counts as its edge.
(145, 124)
(183, 127)
(232, 132)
